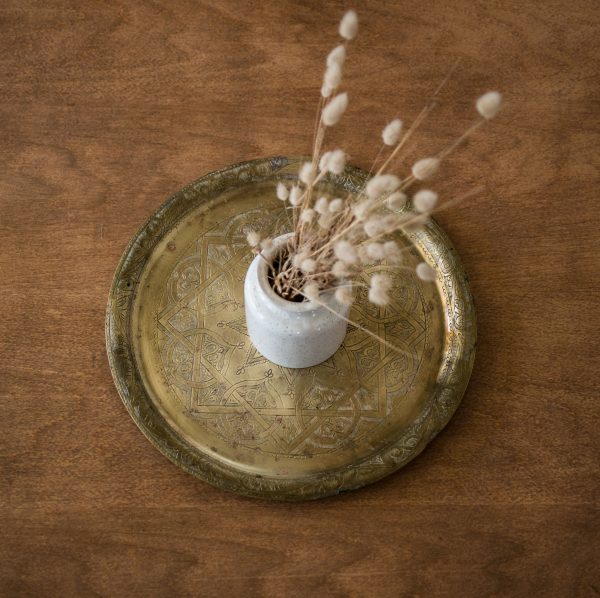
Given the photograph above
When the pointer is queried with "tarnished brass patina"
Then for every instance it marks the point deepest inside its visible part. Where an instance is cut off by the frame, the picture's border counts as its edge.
(194, 384)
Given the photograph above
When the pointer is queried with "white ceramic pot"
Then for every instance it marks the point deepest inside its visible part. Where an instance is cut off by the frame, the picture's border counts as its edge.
(294, 335)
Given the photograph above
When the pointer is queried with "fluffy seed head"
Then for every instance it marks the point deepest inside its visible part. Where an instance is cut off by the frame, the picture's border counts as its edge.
(375, 251)
(333, 75)
(324, 221)
(253, 238)
(392, 252)
(489, 104)
(349, 25)
(307, 215)
(334, 110)
(361, 209)
(308, 265)
(391, 133)
(373, 227)
(311, 291)
(381, 281)
(425, 168)
(282, 191)
(362, 255)
(378, 297)
(425, 200)
(337, 161)
(295, 195)
(307, 176)
(298, 258)
(380, 184)
(326, 91)
(340, 269)
(322, 205)
(396, 201)
(324, 162)
(345, 251)
(337, 55)
(425, 272)
(336, 205)
(381, 225)
(344, 295)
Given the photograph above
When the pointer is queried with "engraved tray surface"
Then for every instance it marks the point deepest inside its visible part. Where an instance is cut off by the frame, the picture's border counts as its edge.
(192, 381)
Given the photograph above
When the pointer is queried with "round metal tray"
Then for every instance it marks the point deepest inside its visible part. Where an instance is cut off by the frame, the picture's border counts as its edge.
(196, 387)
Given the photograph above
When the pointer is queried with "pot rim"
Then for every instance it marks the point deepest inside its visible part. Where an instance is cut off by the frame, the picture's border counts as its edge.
(327, 297)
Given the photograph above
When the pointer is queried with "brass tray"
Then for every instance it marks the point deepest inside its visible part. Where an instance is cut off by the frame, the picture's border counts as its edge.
(194, 384)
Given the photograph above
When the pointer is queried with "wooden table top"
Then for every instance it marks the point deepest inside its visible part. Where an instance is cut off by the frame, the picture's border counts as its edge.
(109, 108)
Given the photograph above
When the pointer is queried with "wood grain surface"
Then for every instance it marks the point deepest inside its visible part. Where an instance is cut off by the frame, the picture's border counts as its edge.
(107, 108)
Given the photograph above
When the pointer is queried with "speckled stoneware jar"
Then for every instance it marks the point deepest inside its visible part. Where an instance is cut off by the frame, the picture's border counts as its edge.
(293, 335)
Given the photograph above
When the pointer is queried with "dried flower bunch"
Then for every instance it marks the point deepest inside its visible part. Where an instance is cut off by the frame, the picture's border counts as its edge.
(335, 238)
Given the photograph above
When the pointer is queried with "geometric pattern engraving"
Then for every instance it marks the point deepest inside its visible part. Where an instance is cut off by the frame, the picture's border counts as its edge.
(224, 383)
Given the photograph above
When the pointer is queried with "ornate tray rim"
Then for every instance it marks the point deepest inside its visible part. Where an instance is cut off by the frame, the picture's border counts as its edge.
(432, 419)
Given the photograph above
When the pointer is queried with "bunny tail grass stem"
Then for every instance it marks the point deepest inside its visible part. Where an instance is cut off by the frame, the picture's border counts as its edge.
(376, 160)
(446, 79)
(317, 119)
(464, 136)
(407, 182)
(308, 195)
(421, 117)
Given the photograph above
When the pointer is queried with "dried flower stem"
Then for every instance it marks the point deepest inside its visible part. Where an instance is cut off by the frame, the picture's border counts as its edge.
(334, 238)
(415, 125)
(464, 136)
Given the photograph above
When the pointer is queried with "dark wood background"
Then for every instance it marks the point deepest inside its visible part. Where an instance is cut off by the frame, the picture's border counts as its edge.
(107, 108)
